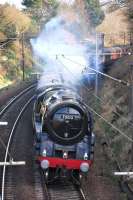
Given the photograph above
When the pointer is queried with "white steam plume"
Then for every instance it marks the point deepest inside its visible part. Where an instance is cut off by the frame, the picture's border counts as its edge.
(58, 38)
(68, 2)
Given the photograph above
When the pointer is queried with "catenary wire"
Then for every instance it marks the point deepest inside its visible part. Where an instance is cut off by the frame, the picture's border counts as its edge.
(106, 75)
(100, 99)
(100, 116)
(107, 137)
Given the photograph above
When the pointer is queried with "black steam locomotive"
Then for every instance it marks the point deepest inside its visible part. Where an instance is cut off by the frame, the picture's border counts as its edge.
(63, 132)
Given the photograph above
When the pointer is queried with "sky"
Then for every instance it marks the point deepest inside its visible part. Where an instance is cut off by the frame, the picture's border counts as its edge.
(16, 2)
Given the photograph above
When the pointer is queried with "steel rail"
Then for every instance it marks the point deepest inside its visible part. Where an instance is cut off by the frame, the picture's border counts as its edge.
(15, 98)
(9, 143)
(44, 185)
(80, 193)
(47, 195)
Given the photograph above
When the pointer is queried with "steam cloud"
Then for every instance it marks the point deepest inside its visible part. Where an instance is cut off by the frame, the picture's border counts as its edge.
(69, 2)
(59, 48)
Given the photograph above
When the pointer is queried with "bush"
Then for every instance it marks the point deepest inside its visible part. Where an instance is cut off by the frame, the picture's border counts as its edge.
(95, 12)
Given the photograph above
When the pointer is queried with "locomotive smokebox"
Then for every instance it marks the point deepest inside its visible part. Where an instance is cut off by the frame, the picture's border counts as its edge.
(65, 118)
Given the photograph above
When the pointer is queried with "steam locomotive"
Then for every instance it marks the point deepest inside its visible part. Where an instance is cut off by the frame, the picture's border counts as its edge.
(64, 140)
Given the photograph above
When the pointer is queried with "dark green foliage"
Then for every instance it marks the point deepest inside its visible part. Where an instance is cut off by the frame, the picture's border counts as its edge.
(10, 54)
(95, 13)
(38, 3)
(32, 3)
(131, 15)
(40, 10)
(10, 31)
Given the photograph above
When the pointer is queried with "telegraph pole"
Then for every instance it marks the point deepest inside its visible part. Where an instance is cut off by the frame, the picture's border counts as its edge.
(96, 80)
(23, 57)
(99, 51)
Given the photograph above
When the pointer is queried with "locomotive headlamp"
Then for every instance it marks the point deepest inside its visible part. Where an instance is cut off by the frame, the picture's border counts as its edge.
(44, 164)
(65, 155)
(44, 153)
(86, 156)
(84, 167)
(38, 129)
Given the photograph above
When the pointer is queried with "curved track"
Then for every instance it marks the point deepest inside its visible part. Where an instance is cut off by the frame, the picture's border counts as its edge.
(26, 182)
(8, 146)
(23, 182)
(11, 101)
(11, 113)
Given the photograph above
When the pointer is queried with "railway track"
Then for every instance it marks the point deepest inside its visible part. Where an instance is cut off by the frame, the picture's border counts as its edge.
(65, 190)
(7, 182)
(57, 190)
(9, 113)
(61, 189)
(15, 98)
(12, 113)
(20, 146)
(28, 183)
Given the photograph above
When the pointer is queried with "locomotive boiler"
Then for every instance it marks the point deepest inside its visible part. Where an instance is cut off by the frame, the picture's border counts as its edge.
(64, 140)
